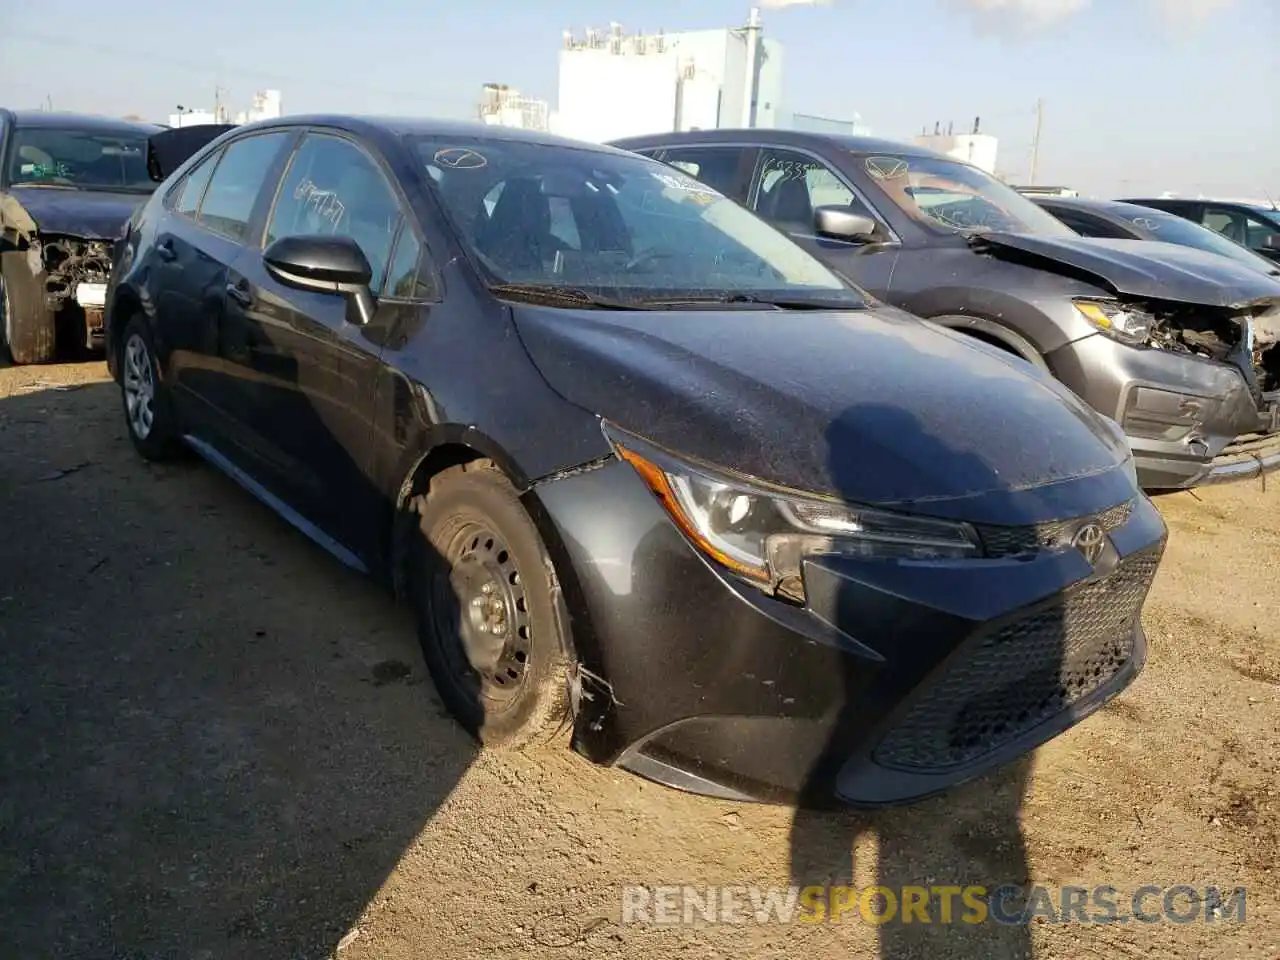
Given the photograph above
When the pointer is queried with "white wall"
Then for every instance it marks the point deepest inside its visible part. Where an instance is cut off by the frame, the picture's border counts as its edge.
(978, 149)
(769, 98)
(604, 96)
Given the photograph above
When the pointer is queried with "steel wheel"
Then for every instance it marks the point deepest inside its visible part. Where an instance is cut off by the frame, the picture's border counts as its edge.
(485, 594)
(482, 604)
(139, 383)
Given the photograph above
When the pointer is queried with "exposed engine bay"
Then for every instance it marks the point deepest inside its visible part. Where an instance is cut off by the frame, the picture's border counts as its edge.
(68, 262)
(1217, 333)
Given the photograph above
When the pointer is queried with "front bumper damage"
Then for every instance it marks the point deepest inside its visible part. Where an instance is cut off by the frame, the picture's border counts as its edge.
(67, 271)
(894, 681)
(1199, 401)
(75, 273)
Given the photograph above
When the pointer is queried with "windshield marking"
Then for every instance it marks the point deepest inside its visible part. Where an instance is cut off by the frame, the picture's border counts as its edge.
(460, 158)
(886, 168)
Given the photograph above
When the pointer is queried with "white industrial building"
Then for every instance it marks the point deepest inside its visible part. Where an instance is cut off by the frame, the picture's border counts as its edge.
(266, 106)
(504, 106)
(616, 85)
(975, 148)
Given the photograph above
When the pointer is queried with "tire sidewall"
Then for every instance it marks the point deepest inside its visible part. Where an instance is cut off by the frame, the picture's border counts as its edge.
(540, 705)
(162, 442)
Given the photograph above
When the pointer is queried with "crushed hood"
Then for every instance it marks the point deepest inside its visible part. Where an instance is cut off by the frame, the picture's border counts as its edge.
(871, 406)
(1137, 268)
(88, 214)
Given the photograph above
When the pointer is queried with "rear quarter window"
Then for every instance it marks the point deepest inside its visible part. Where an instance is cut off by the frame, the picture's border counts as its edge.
(237, 180)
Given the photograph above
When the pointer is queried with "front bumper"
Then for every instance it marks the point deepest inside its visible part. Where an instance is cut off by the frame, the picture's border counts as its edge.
(896, 681)
(1188, 420)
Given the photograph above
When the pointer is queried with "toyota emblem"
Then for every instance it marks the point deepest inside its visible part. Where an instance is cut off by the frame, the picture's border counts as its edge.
(1090, 541)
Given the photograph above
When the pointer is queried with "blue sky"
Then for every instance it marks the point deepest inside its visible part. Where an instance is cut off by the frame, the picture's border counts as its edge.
(1140, 95)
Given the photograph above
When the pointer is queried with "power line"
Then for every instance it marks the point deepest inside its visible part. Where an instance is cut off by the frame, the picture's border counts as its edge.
(222, 68)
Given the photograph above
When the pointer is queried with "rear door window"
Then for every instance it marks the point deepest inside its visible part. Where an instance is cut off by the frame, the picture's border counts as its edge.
(717, 167)
(233, 190)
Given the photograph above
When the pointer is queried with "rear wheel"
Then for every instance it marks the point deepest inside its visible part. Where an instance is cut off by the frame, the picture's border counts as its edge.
(481, 584)
(148, 410)
(26, 323)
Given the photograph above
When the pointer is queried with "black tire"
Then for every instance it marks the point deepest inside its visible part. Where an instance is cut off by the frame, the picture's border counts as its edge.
(138, 364)
(472, 532)
(27, 329)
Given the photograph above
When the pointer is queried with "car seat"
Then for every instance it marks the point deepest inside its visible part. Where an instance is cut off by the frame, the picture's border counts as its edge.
(517, 235)
(789, 205)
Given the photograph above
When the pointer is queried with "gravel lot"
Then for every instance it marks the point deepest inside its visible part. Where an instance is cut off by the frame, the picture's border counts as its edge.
(217, 742)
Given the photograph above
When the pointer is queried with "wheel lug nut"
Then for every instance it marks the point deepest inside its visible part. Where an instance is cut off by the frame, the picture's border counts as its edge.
(478, 602)
(483, 628)
(487, 588)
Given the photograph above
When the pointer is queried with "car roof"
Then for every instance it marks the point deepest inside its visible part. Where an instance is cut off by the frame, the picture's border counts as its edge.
(428, 127)
(785, 138)
(29, 119)
(1238, 204)
(1117, 208)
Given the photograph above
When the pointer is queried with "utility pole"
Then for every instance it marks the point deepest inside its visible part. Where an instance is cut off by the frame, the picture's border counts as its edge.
(1035, 144)
(752, 92)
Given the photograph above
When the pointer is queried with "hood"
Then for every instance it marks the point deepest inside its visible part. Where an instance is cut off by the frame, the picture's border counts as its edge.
(871, 406)
(1137, 268)
(88, 214)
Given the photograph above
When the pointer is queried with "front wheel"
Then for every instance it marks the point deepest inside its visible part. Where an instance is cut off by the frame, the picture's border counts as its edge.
(482, 585)
(27, 330)
(148, 411)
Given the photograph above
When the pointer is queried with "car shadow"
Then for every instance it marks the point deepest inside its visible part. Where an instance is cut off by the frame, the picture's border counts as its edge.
(968, 836)
(215, 740)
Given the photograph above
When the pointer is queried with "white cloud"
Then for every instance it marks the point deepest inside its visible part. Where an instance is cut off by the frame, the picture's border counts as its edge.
(1189, 12)
(779, 4)
(1019, 16)
(1032, 16)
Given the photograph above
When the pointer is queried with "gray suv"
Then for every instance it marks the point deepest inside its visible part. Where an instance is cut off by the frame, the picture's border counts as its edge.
(1172, 343)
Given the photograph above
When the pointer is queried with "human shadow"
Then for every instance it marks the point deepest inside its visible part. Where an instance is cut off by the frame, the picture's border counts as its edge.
(947, 693)
(215, 741)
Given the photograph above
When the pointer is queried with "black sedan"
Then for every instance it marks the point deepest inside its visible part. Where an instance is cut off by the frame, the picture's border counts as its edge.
(1251, 224)
(1117, 220)
(645, 469)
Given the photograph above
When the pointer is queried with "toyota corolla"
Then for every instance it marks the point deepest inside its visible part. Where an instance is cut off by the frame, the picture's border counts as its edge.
(647, 471)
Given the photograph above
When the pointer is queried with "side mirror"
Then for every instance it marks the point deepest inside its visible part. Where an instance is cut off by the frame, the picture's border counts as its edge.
(841, 224)
(325, 264)
(1271, 241)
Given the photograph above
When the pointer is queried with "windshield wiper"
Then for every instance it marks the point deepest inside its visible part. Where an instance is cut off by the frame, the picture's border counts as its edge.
(550, 294)
(780, 303)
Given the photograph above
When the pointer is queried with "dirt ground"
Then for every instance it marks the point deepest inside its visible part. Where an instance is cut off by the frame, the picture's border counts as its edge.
(217, 742)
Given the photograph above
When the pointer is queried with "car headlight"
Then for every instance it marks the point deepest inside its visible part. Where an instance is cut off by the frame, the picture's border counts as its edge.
(764, 534)
(1123, 322)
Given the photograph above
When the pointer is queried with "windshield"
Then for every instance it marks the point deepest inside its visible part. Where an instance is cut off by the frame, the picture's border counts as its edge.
(953, 196)
(615, 226)
(1175, 229)
(89, 160)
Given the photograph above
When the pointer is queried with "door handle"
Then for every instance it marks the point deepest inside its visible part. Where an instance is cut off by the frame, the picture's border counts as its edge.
(165, 251)
(239, 292)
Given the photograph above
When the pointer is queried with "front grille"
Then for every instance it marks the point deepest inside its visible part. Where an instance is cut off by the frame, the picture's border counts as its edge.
(1008, 681)
(1012, 541)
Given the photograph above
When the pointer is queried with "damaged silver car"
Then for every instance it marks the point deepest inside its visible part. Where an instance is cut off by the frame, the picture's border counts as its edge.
(68, 185)
(1174, 344)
